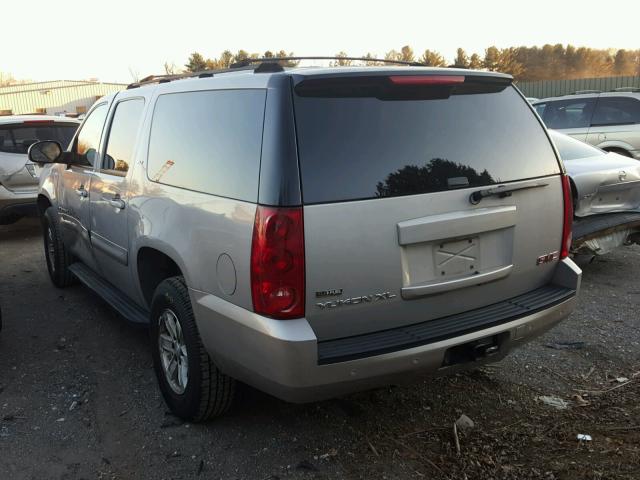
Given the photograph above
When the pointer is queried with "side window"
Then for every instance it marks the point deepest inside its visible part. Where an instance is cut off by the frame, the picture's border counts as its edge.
(88, 140)
(616, 111)
(569, 113)
(208, 141)
(122, 136)
(540, 109)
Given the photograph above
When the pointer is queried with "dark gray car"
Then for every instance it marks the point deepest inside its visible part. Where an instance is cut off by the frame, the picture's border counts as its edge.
(314, 231)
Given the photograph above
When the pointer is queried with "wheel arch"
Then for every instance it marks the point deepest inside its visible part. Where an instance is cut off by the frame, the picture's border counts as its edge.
(616, 146)
(154, 263)
(43, 203)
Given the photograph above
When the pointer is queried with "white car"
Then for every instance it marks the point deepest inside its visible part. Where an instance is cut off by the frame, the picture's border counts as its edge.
(18, 176)
(606, 195)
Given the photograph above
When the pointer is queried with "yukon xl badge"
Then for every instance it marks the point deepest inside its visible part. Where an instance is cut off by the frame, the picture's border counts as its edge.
(376, 297)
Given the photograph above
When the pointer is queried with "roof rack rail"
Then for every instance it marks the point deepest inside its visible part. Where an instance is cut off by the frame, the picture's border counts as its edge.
(270, 60)
(626, 89)
(168, 78)
(581, 92)
(266, 65)
(155, 79)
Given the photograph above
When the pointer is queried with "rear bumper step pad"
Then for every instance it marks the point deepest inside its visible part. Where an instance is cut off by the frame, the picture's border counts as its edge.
(402, 338)
(583, 228)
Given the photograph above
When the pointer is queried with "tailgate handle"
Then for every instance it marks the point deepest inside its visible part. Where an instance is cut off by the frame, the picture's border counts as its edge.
(431, 288)
(501, 191)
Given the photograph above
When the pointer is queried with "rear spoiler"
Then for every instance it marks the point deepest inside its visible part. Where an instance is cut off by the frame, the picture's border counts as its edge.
(401, 86)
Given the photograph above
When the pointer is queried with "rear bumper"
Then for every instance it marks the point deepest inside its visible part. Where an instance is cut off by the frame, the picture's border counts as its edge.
(282, 357)
(599, 234)
(17, 204)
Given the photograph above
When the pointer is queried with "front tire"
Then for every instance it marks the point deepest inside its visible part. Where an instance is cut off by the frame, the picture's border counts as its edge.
(58, 259)
(191, 384)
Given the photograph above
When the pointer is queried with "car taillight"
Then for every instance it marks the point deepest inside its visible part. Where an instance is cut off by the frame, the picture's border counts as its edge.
(567, 217)
(277, 262)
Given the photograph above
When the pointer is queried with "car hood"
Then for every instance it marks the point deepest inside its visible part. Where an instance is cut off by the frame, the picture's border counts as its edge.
(605, 184)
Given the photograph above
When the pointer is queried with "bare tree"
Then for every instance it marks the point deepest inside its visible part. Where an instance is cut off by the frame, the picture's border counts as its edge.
(171, 68)
(135, 74)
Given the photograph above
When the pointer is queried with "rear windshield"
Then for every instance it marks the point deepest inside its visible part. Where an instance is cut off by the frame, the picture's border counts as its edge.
(18, 138)
(572, 149)
(361, 148)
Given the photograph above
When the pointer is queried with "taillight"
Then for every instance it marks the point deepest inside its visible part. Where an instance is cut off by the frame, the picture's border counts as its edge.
(277, 262)
(567, 217)
(426, 79)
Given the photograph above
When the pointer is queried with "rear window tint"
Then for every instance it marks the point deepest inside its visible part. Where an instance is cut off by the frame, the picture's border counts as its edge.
(18, 138)
(361, 148)
(208, 141)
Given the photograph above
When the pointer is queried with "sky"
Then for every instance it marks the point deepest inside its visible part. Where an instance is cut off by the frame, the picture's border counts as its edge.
(116, 40)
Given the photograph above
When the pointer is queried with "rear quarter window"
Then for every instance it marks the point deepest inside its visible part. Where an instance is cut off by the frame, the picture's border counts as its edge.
(363, 148)
(208, 141)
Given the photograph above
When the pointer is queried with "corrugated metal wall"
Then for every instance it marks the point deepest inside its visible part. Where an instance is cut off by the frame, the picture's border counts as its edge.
(53, 98)
(555, 88)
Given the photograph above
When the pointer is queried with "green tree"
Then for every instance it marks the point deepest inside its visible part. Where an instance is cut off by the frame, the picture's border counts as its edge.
(406, 54)
(241, 55)
(393, 55)
(432, 58)
(462, 60)
(226, 59)
(508, 63)
(195, 63)
(340, 60)
(475, 62)
(491, 58)
(370, 59)
(625, 62)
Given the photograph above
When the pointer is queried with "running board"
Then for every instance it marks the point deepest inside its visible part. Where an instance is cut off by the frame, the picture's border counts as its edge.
(116, 299)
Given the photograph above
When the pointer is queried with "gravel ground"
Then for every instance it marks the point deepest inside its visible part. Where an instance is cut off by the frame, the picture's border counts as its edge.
(78, 399)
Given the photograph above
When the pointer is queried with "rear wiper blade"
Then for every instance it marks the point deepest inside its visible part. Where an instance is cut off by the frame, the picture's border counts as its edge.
(501, 191)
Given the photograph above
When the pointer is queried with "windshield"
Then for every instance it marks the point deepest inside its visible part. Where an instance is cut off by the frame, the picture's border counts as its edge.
(18, 138)
(572, 149)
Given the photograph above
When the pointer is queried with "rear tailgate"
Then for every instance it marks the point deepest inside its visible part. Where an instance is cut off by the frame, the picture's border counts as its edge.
(388, 167)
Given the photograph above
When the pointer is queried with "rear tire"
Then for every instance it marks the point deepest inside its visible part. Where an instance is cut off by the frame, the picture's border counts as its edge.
(201, 391)
(58, 259)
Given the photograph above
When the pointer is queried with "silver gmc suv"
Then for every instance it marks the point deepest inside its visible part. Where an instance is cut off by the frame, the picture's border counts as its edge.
(313, 231)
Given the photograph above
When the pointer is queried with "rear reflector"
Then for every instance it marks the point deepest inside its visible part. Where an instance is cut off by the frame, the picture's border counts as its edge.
(277, 263)
(426, 79)
(567, 236)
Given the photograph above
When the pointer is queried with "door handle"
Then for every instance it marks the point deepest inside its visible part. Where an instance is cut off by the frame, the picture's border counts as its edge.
(115, 202)
(82, 192)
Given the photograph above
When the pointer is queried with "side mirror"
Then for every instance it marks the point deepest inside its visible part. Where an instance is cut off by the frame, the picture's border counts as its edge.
(47, 151)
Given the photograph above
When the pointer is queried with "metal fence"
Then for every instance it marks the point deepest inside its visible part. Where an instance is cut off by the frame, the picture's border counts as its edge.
(555, 88)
